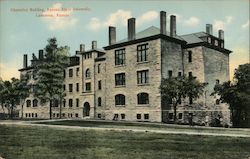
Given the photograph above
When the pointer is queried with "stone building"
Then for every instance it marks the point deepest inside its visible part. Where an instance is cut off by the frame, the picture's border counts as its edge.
(122, 81)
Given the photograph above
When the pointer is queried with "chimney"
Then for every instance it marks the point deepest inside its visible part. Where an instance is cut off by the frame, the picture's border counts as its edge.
(40, 54)
(94, 45)
(221, 34)
(209, 29)
(163, 22)
(82, 47)
(25, 61)
(112, 35)
(172, 25)
(131, 29)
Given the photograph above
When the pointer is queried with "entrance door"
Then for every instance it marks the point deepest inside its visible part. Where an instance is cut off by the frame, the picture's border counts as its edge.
(86, 109)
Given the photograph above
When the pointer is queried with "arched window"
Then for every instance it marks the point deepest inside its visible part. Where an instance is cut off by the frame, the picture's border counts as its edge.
(120, 99)
(87, 73)
(35, 103)
(28, 103)
(99, 101)
(142, 98)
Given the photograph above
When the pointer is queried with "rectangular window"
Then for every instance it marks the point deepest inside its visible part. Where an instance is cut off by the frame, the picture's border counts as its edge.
(122, 116)
(179, 74)
(142, 77)
(142, 52)
(70, 87)
(76, 115)
(63, 114)
(57, 115)
(64, 87)
(190, 74)
(70, 72)
(189, 56)
(77, 102)
(146, 116)
(88, 86)
(36, 115)
(138, 116)
(98, 68)
(180, 116)
(77, 71)
(99, 85)
(120, 79)
(120, 57)
(170, 73)
(99, 102)
(77, 87)
(70, 102)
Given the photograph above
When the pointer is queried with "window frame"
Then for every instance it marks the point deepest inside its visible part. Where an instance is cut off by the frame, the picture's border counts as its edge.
(88, 86)
(99, 101)
(143, 98)
(142, 77)
(120, 79)
(87, 73)
(142, 53)
(120, 57)
(120, 100)
(70, 72)
(190, 54)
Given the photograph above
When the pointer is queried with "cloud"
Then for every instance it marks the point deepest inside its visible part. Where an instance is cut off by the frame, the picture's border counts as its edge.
(56, 22)
(8, 71)
(147, 17)
(220, 24)
(192, 21)
(120, 17)
(246, 25)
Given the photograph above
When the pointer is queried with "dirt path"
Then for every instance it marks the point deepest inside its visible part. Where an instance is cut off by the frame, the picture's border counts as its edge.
(142, 130)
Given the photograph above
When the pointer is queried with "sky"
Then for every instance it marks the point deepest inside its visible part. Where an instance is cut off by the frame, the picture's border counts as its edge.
(26, 25)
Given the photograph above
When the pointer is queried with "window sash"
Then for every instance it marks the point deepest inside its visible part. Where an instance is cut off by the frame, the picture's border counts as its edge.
(142, 77)
(143, 98)
(120, 79)
(120, 57)
(119, 100)
(142, 53)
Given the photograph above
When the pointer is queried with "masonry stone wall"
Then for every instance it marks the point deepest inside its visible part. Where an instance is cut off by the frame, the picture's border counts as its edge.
(131, 108)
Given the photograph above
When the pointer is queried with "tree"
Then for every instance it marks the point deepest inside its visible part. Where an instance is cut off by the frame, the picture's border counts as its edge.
(50, 76)
(9, 95)
(23, 90)
(175, 89)
(237, 95)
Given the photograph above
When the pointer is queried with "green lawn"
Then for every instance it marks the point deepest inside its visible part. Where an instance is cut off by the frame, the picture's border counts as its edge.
(32, 142)
(147, 126)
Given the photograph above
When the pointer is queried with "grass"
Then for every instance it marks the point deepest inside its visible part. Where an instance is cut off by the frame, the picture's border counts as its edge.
(148, 126)
(28, 142)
